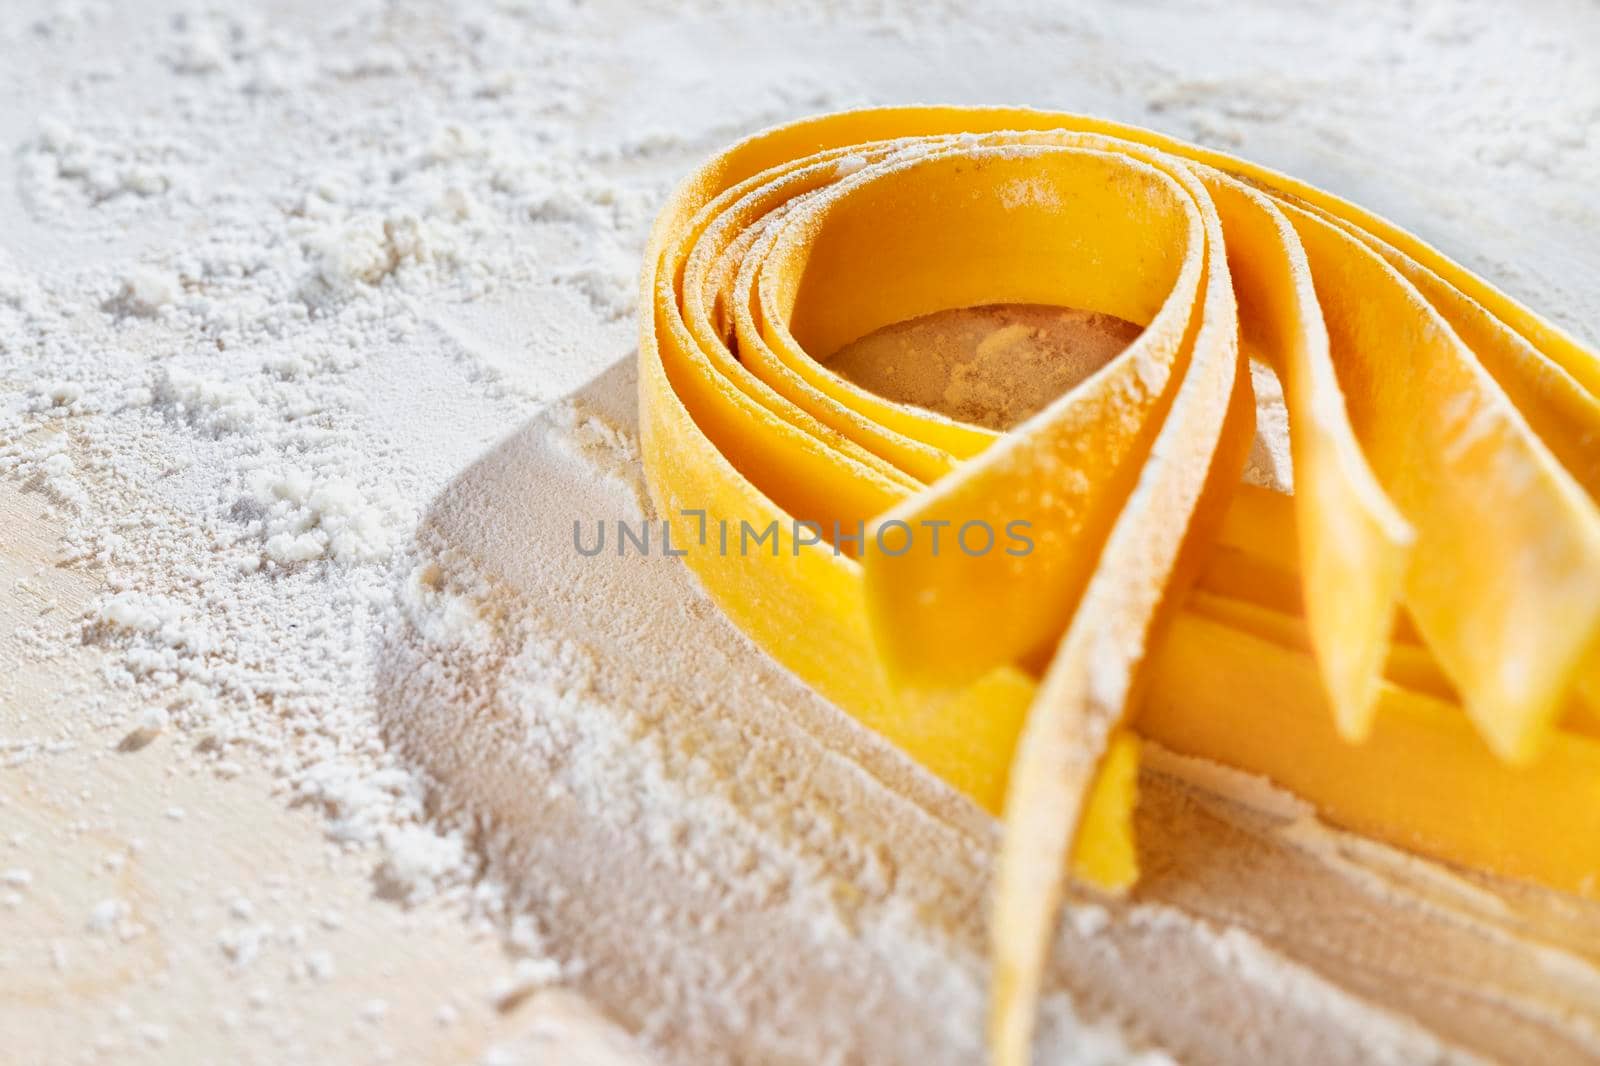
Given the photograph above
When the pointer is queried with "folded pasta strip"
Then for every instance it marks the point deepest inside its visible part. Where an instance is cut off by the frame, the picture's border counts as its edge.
(1411, 641)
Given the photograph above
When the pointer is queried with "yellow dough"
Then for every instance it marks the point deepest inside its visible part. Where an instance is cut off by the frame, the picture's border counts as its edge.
(1411, 642)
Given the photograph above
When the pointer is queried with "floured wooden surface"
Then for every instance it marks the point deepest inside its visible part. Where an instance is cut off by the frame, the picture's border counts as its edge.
(156, 912)
(314, 340)
(991, 366)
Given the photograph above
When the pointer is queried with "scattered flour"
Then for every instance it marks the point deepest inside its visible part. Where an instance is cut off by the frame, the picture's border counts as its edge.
(269, 284)
(146, 291)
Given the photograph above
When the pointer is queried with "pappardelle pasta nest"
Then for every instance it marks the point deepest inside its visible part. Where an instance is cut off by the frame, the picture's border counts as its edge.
(1411, 641)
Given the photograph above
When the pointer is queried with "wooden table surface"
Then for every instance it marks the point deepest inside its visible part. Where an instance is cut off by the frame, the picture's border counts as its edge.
(154, 912)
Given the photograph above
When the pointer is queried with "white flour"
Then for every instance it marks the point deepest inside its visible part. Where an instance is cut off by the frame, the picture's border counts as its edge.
(271, 285)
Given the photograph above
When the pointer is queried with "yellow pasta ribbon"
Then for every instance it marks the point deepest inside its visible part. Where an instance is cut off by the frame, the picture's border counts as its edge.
(1411, 641)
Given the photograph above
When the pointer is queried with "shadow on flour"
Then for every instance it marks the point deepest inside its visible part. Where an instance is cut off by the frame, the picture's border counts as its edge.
(714, 847)
(738, 873)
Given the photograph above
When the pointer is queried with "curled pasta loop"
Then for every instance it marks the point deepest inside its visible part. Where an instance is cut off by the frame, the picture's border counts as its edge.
(1411, 640)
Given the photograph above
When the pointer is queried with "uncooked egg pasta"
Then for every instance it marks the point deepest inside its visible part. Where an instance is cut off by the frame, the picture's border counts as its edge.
(1411, 641)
